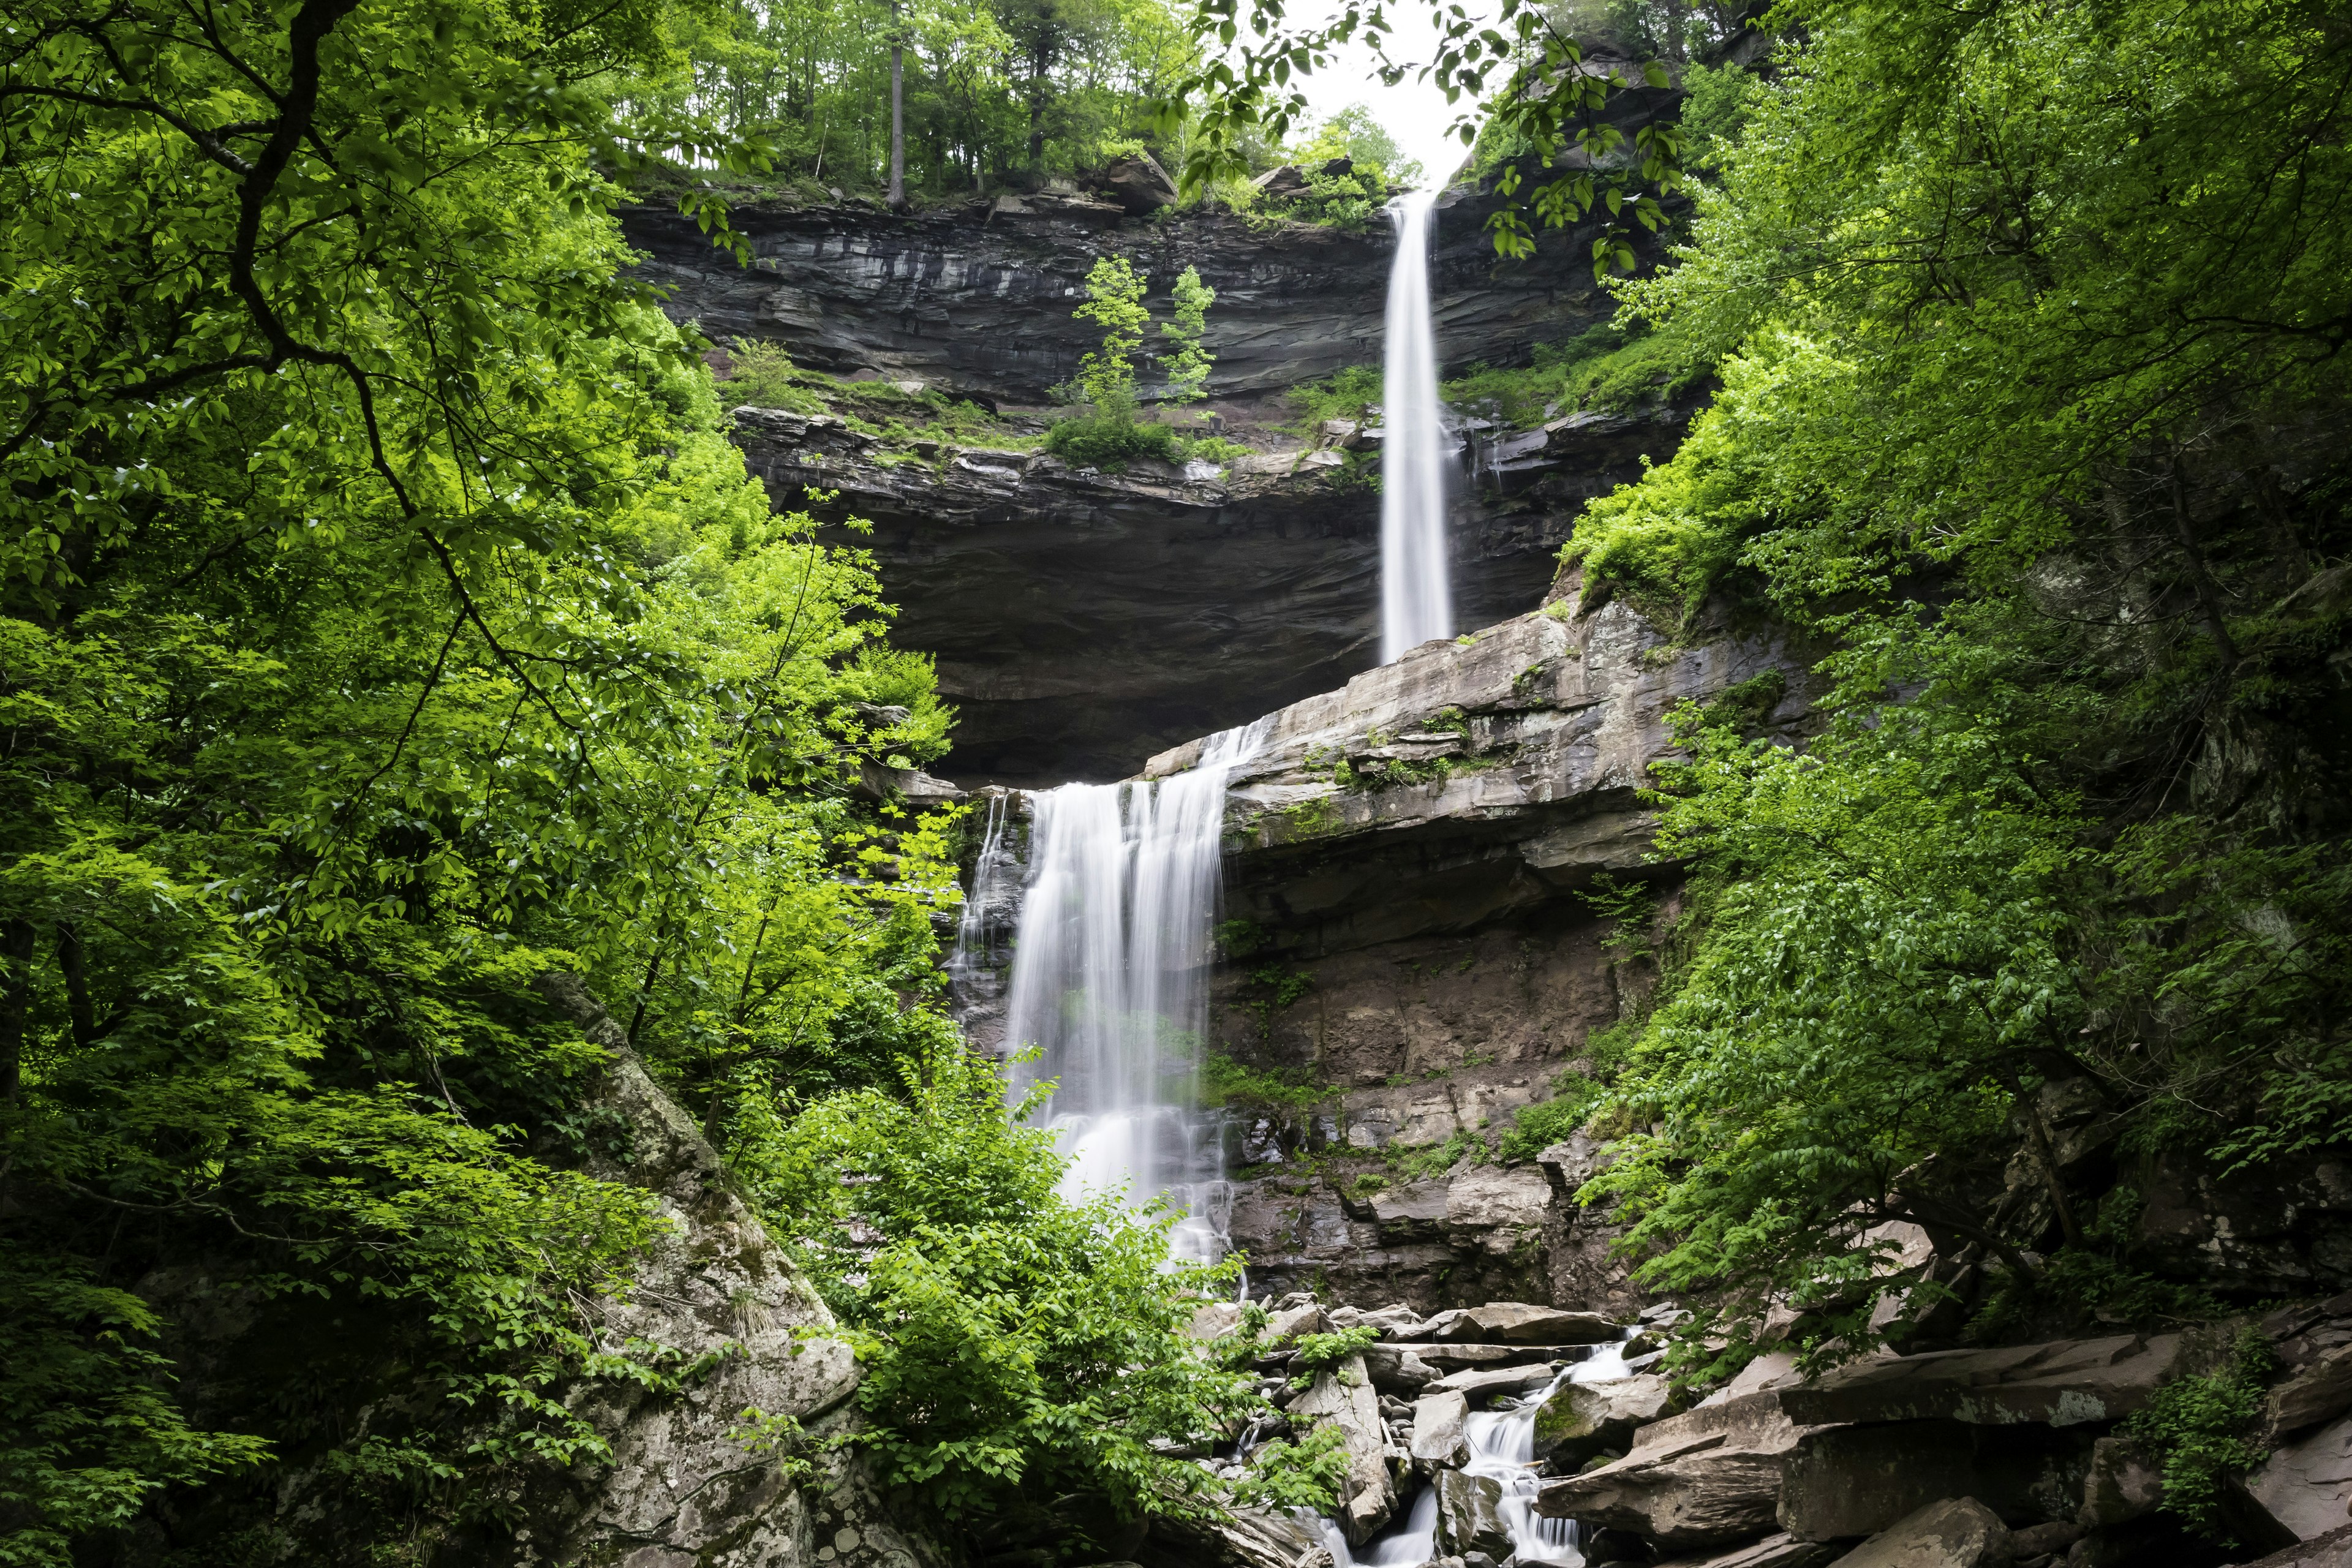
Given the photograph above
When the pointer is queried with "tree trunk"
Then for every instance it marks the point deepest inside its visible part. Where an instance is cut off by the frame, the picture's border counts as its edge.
(897, 116)
(16, 1002)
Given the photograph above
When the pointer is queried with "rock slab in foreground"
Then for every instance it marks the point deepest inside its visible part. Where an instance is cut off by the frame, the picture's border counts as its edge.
(1960, 1532)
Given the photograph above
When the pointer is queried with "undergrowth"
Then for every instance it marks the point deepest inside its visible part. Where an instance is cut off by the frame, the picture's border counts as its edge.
(1605, 369)
(2200, 1428)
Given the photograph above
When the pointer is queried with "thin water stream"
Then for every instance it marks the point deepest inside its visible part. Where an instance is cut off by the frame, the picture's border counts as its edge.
(1416, 598)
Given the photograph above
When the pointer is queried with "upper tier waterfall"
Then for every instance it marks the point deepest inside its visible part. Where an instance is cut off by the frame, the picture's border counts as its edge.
(1109, 982)
(1416, 599)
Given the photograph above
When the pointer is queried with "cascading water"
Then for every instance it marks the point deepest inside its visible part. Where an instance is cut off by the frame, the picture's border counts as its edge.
(1109, 981)
(1416, 600)
(1502, 1445)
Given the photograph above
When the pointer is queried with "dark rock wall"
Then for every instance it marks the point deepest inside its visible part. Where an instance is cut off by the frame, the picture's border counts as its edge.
(1084, 621)
(979, 296)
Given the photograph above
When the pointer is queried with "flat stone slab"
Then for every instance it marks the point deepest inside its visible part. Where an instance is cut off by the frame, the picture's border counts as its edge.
(1478, 1383)
(2066, 1382)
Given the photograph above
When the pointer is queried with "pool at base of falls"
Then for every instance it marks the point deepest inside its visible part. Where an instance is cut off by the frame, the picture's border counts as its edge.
(1502, 1445)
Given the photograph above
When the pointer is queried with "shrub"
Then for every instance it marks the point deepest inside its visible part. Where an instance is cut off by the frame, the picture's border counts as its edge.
(1108, 434)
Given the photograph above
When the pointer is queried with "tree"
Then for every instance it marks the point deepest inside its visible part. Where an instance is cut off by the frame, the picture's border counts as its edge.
(2043, 441)
(1189, 364)
(898, 194)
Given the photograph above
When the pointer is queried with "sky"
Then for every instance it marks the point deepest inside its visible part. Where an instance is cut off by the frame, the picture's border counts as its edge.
(1414, 112)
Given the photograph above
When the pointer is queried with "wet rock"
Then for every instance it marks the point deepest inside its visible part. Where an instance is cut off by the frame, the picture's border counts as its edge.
(1958, 1532)
(1437, 1424)
(1858, 1480)
(2307, 1485)
(1469, 1515)
(1580, 1420)
(2333, 1550)
(1518, 1323)
(1345, 1399)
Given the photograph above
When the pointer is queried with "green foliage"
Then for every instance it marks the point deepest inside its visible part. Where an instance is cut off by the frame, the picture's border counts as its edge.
(2078, 1289)
(1436, 1159)
(1016, 1346)
(1318, 1353)
(1189, 363)
(2200, 1428)
(1239, 939)
(1349, 394)
(1987, 446)
(385, 622)
(1110, 431)
(1012, 92)
(1605, 369)
(1108, 434)
(1550, 1122)
(88, 1429)
(1307, 1473)
(1114, 303)
(761, 376)
(1224, 1082)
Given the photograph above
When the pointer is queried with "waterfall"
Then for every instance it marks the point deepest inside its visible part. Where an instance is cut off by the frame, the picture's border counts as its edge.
(1416, 604)
(1502, 1445)
(1108, 981)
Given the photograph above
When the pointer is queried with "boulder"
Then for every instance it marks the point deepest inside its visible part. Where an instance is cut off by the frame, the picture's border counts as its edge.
(1516, 1323)
(1705, 1493)
(1214, 1320)
(1470, 1516)
(2063, 1384)
(1236, 1538)
(2333, 1550)
(1437, 1423)
(1580, 1420)
(1858, 1480)
(1138, 185)
(1480, 1383)
(2307, 1485)
(1398, 1369)
(1458, 1358)
(2122, 1484)
(1781, 1551)
(1958, 1532)
(1288, 1323)
(1345, 1399)
(2313, 1394)
(677, 1486)
(1282, 183)
(1497, 1210)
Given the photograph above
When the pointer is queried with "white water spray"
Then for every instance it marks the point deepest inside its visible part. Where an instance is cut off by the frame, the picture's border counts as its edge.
(1108, 981)
(1416, 601)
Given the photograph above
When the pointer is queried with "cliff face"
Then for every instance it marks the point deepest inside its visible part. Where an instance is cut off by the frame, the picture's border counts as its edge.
(978, 297)
(1405, 944)
(1084, 620)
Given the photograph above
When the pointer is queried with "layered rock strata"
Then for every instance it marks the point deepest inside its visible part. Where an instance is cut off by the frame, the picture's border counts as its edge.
(1084, 620)
(977, 296)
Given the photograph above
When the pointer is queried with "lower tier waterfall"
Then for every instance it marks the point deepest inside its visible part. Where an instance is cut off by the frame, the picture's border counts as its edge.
(1109, 982)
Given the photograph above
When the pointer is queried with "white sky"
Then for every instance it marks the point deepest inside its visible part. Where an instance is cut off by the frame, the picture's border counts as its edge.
(1414, 112)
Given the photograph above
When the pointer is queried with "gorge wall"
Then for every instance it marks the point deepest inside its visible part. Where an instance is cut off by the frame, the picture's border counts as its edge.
(1084, 621)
